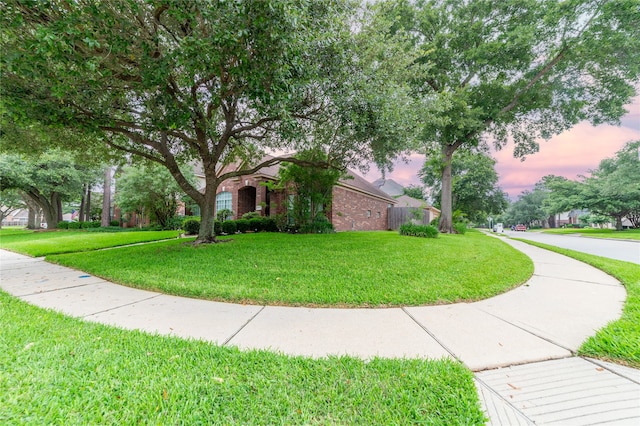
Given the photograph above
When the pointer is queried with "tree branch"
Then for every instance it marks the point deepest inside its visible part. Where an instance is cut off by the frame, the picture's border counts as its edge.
(272, 162)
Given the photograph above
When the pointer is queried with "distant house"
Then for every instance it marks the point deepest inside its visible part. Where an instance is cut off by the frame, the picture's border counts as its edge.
(357, 204)
(16, 218)
(566, 218)
(389, 187)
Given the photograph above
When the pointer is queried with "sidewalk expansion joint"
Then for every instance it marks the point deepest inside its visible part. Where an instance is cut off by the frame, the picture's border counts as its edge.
(602, 365)
(243, 326)
(433, 336)
(503, 399)
(571, 351)
(58, 289)
(578, 281)
(122, 306)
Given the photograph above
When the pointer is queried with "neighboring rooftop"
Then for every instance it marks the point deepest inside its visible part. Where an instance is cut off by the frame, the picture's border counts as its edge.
(389, 187)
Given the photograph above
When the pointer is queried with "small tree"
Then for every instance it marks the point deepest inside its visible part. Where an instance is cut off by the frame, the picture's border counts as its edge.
(310, 188)
(149, 188)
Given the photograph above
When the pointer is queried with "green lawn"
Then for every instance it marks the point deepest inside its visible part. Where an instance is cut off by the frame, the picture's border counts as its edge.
(61, 370)
(343, 269)
(627, 234)
(619, 341)
(42, 243)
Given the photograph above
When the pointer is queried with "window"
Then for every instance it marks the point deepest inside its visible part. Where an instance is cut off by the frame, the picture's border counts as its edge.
(379, 215)
(223, 201)
(368, 213)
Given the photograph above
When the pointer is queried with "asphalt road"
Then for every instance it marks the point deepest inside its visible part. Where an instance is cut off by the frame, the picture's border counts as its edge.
(628, 251)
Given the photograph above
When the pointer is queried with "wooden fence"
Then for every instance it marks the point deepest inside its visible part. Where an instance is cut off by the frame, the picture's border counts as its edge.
(399, 215)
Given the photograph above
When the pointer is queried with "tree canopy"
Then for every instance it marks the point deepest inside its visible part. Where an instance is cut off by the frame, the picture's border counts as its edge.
(47, 180)
(150, 189)
(529, 208)
(612, 190)
(516, 70)
(207, 81)
(311, 192)
(474, 184)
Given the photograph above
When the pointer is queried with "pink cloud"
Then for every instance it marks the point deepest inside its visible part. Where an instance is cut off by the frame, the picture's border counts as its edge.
(569, 154)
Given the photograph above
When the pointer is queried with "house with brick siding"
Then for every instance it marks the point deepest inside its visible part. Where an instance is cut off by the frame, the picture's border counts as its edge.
(357, 204)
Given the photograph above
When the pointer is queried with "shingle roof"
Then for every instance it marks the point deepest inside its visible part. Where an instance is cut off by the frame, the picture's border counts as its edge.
(389, 186)
(352, 181)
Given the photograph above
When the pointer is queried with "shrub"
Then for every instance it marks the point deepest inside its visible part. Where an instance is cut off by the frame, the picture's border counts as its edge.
(424, 231)
(94, 224)
(74, 225)
(224, 214)
(63, 225)
(217, 227)
(435, 221)
(114, 223)
(191, 226)
(251, 215)
(256, 224)
(460, 227)
(229, 227)
(269, 224)
(174, 222)
(84, 225)
(320, 225)
(243, 225)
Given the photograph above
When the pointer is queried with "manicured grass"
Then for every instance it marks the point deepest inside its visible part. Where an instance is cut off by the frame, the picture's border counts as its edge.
(43, 243)
(627, 234)
(344, 269)
(619, 341)
(13, 230)
(61, 370)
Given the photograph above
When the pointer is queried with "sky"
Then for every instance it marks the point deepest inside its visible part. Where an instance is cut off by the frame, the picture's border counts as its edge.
(569, 154)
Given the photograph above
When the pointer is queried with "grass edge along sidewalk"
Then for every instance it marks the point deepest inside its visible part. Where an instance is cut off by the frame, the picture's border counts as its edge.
(63, 370)
(45, 243)
(372, 269)
(619, 341)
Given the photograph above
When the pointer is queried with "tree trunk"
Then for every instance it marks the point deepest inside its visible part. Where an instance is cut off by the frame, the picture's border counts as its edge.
(31, 219)
(33, 211)
(446, 204)
(106, 198)
(618, 223)
(87, 205)
(207, 219)
(52, 210)
(83, 200)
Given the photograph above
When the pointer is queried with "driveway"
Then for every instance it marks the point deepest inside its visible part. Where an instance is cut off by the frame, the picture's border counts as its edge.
(629, 251)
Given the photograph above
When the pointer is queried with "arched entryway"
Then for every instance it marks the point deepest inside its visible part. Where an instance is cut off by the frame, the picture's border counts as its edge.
(246, 200)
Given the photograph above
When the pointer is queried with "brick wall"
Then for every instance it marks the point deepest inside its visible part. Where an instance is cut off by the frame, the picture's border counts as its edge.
(243, 204)
(354, 211)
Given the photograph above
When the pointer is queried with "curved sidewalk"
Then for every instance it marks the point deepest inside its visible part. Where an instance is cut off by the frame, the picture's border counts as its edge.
(547, 318)
(531, 331)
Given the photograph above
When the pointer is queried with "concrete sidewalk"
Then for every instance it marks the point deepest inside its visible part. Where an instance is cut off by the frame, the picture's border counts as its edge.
(546, 319)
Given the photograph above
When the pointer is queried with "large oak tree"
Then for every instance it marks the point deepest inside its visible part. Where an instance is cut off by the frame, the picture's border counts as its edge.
(516, 70)
(208, 81)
